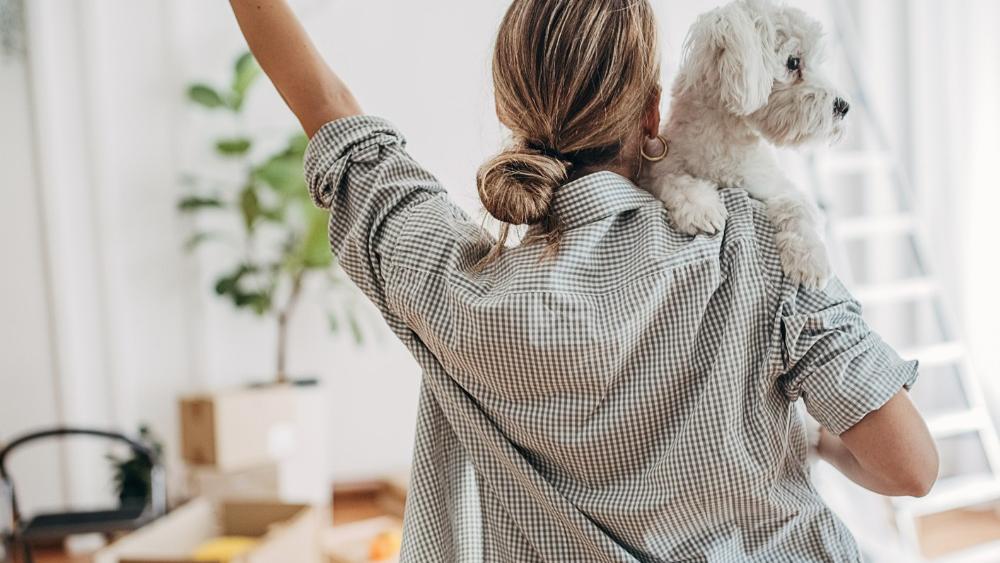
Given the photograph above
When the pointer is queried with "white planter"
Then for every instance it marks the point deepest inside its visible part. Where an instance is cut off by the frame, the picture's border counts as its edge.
(263, 442)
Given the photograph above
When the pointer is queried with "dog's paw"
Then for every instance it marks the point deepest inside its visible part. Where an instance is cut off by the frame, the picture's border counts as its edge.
(695, 207)
(804, 259)
(706, 217)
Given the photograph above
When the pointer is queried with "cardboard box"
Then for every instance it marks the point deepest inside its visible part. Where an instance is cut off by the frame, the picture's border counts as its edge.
(287, 532)
(391, 495)
(261, 482)
(238, 429)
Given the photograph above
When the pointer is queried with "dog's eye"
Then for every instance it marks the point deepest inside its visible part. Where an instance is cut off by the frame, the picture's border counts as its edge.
(794, 63)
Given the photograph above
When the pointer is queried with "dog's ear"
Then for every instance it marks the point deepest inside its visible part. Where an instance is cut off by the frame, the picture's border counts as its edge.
(733, 46)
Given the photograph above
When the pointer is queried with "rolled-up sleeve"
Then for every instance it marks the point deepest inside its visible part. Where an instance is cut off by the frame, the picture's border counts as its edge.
(834, 361)
(358, 169)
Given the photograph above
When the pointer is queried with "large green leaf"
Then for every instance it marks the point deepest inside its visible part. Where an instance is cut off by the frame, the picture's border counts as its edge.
(249, 207)
(273, 214)
(227, 284)
(205, 96)
(315, 249)
(232, 286)
(237, 146)
(195, 240)
(283, 173)
(257, 301)
(196, 203)
(245, 72)
(297, 145)
(310, 248)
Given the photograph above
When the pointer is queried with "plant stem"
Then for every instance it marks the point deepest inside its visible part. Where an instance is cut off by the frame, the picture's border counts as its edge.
(283, 317)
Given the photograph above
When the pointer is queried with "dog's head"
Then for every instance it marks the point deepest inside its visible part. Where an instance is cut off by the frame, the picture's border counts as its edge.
(760, 61)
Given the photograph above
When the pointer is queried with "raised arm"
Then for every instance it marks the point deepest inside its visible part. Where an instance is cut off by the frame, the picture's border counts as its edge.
(286, 54)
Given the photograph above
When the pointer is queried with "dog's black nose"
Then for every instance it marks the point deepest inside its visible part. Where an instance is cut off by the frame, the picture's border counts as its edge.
(841, 107)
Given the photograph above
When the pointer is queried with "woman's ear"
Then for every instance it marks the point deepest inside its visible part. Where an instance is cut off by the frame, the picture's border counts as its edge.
(734, 46)
(651, 118)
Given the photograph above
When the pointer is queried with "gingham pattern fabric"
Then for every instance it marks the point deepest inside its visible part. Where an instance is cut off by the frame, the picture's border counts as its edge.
(631, 398)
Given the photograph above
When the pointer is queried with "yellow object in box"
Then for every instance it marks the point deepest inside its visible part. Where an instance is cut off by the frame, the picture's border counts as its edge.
(385, 545)
(224, 549)
(366, 541)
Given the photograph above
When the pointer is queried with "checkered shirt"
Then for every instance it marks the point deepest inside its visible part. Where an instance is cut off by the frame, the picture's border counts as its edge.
(631, 398)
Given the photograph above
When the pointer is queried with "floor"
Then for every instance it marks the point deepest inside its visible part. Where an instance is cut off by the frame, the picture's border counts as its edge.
(956, 530)
(54, 555)
(942, 533)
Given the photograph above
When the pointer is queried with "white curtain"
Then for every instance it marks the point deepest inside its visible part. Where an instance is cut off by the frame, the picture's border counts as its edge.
(954, 115)
(934, 72)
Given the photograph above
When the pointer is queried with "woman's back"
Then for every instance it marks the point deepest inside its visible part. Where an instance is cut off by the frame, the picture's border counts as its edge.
(609, 390)
(630, 395)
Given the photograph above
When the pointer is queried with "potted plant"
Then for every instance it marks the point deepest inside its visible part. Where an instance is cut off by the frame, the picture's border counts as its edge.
(132, 475)
(281, 240)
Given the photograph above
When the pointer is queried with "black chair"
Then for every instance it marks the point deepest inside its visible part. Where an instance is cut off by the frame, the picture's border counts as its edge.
(60, 525)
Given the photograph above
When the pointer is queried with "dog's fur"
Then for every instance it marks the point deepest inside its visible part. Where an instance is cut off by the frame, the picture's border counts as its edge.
(734, 91)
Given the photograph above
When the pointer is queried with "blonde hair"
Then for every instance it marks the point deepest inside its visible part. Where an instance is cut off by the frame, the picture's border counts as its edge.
(572, 79)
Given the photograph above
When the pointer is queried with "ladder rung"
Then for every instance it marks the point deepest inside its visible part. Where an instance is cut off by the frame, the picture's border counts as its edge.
(960, 422)
(891, 292)
(855, 161)
(936, 354)
(954, 492)
(861, 227)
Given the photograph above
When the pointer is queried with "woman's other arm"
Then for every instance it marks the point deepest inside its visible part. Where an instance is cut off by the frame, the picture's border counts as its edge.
(286, 54)
(890, 451)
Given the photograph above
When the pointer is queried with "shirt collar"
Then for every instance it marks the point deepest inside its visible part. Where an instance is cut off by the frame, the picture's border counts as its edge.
(594, 197)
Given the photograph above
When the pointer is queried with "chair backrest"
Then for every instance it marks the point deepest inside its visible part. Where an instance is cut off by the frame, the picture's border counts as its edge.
(157, 505)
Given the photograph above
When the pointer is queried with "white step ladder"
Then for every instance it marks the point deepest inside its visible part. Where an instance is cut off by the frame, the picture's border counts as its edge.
(879, 169)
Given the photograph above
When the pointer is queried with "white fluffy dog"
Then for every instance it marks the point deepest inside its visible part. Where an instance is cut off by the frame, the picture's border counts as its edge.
(749, 74)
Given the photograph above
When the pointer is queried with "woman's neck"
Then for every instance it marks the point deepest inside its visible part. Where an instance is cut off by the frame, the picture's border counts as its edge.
(628, 164)
(630, 172)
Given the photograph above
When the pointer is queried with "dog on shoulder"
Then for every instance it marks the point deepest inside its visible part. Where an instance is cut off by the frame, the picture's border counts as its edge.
(749, 77)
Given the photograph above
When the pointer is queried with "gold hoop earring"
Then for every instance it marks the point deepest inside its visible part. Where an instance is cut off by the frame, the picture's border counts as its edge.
(661, 156)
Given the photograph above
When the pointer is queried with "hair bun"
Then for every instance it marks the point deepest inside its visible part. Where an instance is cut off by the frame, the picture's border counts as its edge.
(517, 185)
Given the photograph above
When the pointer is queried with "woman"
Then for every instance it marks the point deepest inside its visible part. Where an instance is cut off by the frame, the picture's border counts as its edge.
(610, 389)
